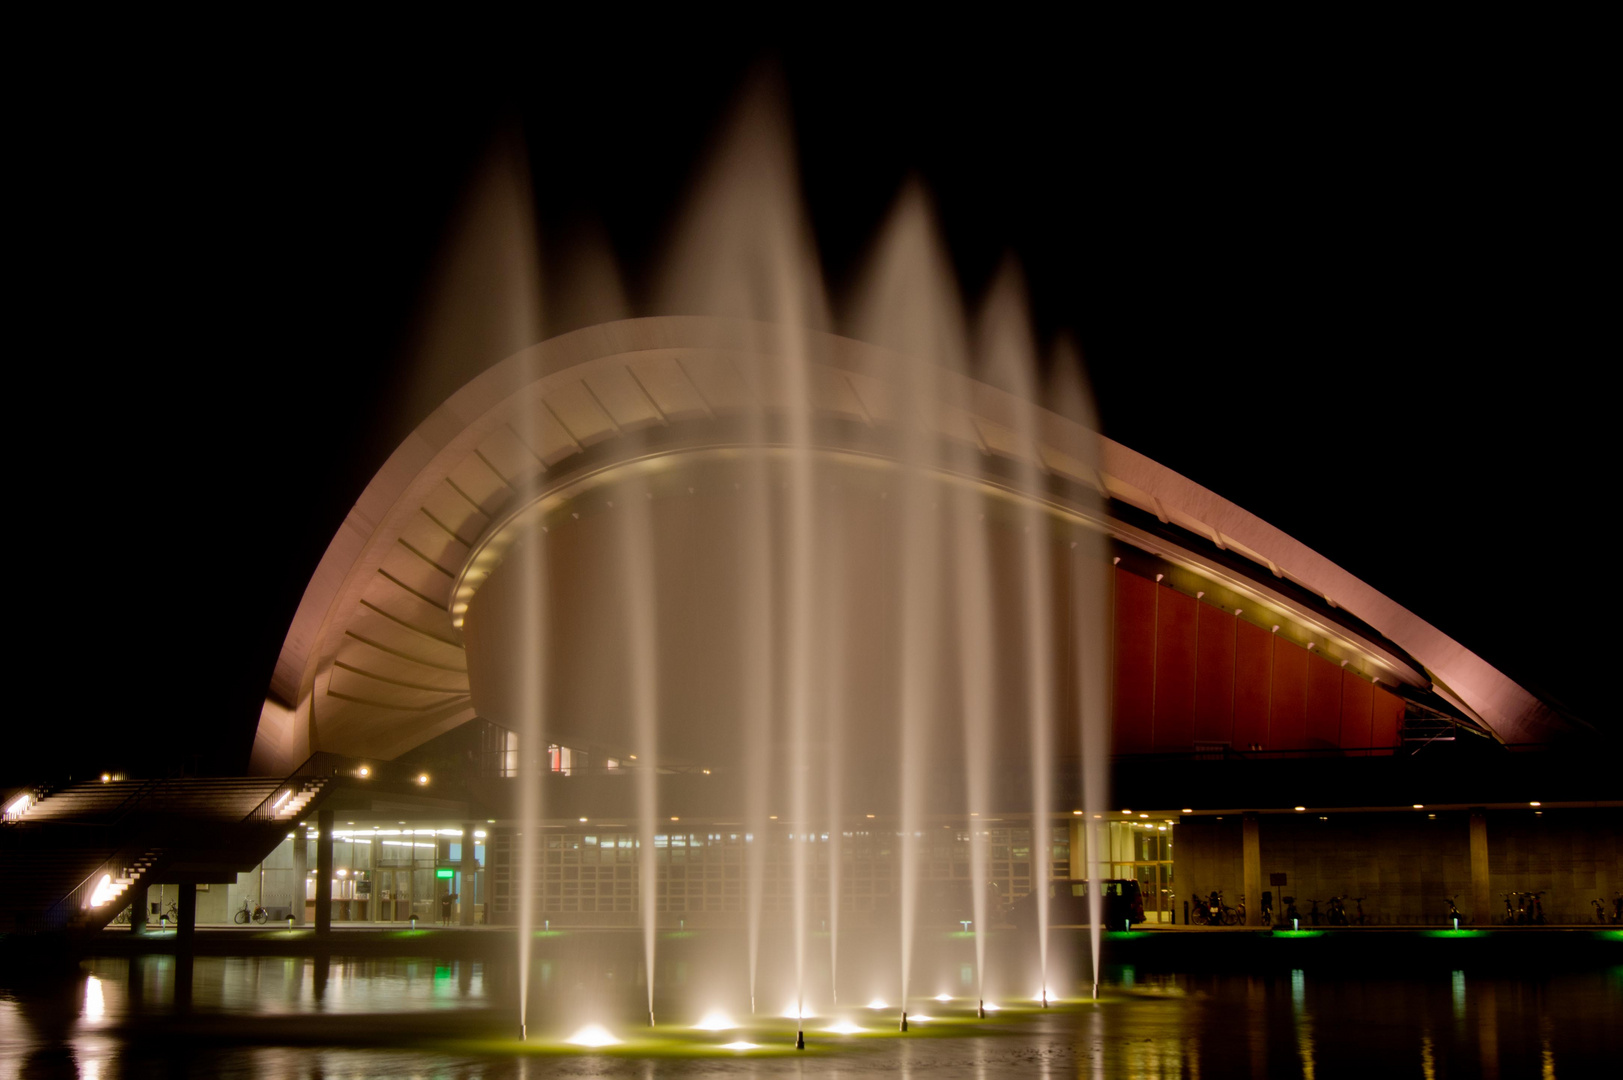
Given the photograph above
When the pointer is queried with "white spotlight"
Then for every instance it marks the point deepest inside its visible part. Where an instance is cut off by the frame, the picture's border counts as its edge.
(592, 1035)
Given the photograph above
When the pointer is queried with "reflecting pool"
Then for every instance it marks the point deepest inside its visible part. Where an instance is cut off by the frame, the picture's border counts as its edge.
(355, 1017)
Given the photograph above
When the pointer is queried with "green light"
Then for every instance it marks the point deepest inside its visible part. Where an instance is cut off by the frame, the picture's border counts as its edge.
(445, 873)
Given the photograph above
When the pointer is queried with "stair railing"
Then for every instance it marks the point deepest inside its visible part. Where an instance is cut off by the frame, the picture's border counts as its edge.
(318, 766)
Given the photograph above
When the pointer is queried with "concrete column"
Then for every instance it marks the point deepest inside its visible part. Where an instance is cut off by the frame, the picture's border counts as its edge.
(185, 939)
(1481, 900)
(324, 872)
(301, 870)
(186, 928)
(1251, 858)
(138, 910)
(470, 866)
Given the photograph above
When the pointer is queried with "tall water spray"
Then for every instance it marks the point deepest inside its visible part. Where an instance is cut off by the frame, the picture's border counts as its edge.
(1089, 611)
(1009, 360)
(529, 643)
(974, 618)
(745, 251)
(909, 303)
(831, 696)
(637, 569)
(952, 521)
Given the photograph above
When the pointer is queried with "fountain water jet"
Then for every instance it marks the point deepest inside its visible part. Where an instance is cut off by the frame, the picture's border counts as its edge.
(832, 685)
(911, 305)
(1008, 359)
(974, 616)
(636, 554)
(745, 251)
(531, 743)
(1089, 635)
(790, 597)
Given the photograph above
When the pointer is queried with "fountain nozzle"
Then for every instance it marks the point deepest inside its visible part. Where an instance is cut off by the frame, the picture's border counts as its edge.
(523, 1033)
(800, 1040)
(650, 1017)
(980, 1009)
(904, 1019)
(1095, 989)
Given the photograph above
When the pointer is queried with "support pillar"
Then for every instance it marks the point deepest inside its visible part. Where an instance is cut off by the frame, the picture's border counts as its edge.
(185, 938)
(301, 870)
(1481, 899)
(1251, 860)
(1079, 852)
(324, 872)
(186, 913)
(470, 867)
(138, 910)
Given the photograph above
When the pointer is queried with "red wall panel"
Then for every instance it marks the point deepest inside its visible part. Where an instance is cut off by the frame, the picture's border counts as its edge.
(1133, 700)
(1323, 703)
(1355, 699)
(1253, 668)
(1386, 712)
(1174, 670)
(1214, 675)
(1287, 727)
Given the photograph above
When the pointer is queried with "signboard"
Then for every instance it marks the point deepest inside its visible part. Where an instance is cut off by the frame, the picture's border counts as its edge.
(1276, 879)
(444, 873)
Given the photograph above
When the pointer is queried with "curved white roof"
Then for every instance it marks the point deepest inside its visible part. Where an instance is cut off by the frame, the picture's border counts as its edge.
(373, 663)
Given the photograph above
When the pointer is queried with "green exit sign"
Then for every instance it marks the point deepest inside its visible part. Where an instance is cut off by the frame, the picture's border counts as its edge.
(444, 873)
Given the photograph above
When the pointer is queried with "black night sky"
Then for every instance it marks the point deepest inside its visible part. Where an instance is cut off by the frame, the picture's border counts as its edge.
(1353, 289)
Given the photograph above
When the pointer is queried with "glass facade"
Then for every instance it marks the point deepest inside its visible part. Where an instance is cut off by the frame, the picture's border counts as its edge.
(705, 869)
(379, 875)
(1142, 852)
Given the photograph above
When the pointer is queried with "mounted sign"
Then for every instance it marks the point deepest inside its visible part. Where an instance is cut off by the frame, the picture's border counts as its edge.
(444, 873)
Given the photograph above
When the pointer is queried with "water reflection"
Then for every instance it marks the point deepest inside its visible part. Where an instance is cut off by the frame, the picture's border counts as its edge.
(1174, 1026)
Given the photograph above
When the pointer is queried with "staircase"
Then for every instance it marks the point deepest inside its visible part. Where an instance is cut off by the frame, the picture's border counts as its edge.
(78, 856)
(293, 809)
(113, 897)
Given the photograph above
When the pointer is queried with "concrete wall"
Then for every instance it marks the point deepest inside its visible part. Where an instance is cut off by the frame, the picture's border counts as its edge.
(1406, 865)
(1573, 856)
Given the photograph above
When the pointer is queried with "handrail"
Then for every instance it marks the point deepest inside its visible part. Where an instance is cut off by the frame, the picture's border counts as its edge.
(74, 900)
(320, 765)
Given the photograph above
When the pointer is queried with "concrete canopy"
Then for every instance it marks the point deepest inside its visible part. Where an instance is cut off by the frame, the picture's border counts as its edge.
(374, 663)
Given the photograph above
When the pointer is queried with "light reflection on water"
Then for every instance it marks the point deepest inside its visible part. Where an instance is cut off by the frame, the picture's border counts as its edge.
(1187, 1026)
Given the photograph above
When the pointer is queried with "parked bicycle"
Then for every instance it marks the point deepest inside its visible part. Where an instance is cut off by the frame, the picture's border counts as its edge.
(257, 914)
(1535, 908)
(1453, 909)
(1359, 918)
(1336, 912)
(1314, 914)
(1600, 910)
(166, 917)
(1617, 909)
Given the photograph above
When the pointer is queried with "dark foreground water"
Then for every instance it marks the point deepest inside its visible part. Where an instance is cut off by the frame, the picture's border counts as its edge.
(298, 1017)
